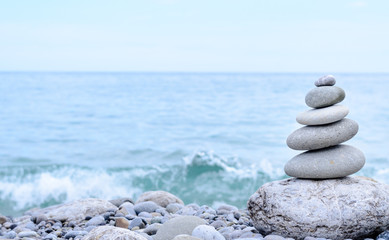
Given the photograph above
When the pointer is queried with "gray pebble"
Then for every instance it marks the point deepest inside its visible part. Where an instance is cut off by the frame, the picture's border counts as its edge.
(156, 220)
(152, 229)
(206, 232)
(30, 225)
(127, 208)
(322, 136)
(96, 221)
(327, 80)
(145, 215)
(73, 234)
(173, 207)
(50, 237)
(323, 116)
(24, 234)
(226, 209)
(137, 222)
(146, 207)
(333, 162)
(218, 224)
(324, 96)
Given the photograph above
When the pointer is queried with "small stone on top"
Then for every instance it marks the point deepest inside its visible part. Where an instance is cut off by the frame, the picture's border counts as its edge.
(327, 80)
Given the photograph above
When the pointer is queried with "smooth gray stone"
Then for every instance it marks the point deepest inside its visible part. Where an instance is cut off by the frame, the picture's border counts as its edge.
(206, 232)
(324, 96)
(322, 136)
(327, 80)
(73, 234)
(322, 116)
(137, 222)
(350, 207)
(333, 162)
(178, 225)
(96, 221)
(147, 206)
(26, 234)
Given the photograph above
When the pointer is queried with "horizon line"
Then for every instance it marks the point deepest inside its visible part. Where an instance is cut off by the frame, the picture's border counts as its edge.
(185, 72)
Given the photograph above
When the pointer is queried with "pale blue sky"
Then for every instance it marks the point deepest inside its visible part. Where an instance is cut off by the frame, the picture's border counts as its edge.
(178, 35)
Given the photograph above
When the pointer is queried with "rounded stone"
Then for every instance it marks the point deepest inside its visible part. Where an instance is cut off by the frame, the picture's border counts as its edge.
(178, 225)
(161, 198)
(350, 207)
(148, 206)
(333, 162)
(207, 233)
(322, 136)
(327, 80)
(324, 96)
(323, 116)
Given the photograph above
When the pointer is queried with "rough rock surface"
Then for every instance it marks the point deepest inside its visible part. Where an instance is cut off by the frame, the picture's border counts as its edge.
(323, 115)
(76, 210)
(324, 96)
(333, 162)
(322, 136)
(178, 225)
(109, 233)
(161, 198)
(327, 80)
(350, 207)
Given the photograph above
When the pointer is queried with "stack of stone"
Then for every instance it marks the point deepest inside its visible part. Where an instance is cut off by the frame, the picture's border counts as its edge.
(326, 129)
(321, 201)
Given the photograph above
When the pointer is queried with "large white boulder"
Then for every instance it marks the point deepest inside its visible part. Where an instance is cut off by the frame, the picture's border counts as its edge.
(350, 207)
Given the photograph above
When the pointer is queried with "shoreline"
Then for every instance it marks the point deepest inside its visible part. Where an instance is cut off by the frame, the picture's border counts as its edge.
(153, 216)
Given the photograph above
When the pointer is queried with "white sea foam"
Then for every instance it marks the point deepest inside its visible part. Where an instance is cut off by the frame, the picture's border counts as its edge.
(62, 185)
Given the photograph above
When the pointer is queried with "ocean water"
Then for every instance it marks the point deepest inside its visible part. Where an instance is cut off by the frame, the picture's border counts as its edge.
(208, 138)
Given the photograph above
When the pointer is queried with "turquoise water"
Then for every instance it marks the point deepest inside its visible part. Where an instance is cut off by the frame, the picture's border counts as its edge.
(208, 138)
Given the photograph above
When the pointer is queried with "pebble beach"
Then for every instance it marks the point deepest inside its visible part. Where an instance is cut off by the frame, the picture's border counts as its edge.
(156, 215)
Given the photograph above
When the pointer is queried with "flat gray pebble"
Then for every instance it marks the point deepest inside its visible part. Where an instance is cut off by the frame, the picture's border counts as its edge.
(24, 234)
(73, 234)
(96, 221)
(146, 207)
(327, 80)
(324, 96)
